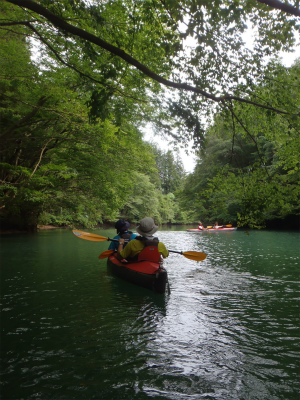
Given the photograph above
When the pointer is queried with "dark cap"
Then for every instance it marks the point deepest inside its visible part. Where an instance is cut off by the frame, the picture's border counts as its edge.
(122, 225)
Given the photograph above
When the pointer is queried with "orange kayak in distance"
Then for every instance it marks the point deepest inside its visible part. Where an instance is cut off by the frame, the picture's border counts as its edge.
(212, 230)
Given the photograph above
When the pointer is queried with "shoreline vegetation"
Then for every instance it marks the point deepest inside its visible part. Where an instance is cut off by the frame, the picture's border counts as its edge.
(51, 227)
(75, 115)
(278, 225)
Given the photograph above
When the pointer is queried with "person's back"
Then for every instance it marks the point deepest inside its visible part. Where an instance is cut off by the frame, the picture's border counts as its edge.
(142, 244)
(150, 251)
(217, 226)
(200, 226)
(122, 227)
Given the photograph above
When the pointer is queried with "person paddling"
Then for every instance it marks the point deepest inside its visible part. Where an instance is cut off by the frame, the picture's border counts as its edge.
(122, 227)
(145, 246)
(200, 226)
(217, 226)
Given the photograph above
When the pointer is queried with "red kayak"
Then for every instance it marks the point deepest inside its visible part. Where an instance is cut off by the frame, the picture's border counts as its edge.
(148, 274)
(212, 230)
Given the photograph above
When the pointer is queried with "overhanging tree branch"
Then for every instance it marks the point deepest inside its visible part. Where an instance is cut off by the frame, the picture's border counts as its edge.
(281, 6)
(40, 159)
(63, 25)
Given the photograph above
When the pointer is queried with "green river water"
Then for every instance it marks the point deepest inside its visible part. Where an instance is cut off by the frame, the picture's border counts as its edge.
(228, 330)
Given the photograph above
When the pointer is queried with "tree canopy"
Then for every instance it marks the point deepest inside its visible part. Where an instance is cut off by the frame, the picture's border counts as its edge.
(196, 47)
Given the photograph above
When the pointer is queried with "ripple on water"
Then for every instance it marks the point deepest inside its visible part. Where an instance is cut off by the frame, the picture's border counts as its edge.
(228, 331)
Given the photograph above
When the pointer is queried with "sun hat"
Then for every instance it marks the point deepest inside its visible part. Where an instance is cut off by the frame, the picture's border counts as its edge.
(146, 227)
(122, 225)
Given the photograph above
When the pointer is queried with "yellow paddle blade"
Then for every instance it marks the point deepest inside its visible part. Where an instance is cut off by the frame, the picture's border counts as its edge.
(89, 236)
(105, 254)
(194, 255)
(208, 227)
(228, 226)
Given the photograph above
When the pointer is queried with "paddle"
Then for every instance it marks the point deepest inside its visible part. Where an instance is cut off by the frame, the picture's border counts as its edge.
(91, 236)
(106, 254)
(192, 255)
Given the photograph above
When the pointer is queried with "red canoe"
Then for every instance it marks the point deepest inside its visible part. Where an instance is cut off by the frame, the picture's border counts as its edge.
(148, 274)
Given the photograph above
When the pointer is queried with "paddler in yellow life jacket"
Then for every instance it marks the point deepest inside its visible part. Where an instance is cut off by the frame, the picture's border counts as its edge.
(144, 247)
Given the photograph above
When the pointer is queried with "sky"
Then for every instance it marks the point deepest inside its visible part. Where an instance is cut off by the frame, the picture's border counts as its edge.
(189, 160)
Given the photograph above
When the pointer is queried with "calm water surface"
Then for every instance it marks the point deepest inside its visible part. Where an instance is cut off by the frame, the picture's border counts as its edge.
(228, 330)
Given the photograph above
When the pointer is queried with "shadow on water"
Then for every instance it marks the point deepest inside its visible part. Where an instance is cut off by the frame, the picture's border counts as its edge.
(228, 331)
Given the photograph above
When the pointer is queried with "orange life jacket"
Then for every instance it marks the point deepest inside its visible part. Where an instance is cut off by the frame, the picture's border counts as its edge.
(150, 251)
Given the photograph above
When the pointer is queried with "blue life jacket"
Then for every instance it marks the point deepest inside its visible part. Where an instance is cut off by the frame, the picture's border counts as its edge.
(126, 236)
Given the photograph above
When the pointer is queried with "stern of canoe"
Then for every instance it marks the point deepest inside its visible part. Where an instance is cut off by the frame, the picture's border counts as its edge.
(145, 273)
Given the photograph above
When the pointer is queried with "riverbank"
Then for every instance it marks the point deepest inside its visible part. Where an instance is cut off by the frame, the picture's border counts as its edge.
(44, 227)
(39, 228)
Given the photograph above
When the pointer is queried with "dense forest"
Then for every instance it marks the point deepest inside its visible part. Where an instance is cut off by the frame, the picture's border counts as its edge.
(80, 80)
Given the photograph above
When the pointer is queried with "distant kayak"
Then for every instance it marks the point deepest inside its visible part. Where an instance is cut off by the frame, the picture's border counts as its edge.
(212, 230)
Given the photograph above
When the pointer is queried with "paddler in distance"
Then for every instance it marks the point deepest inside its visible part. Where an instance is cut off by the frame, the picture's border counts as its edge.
(200, 226)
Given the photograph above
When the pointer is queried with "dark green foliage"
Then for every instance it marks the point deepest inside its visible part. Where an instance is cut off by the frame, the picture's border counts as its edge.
(57, 167)
(249, 171)
(171, 171)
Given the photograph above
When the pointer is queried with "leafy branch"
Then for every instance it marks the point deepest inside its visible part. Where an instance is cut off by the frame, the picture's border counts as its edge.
(65, 26)
(282, 6)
